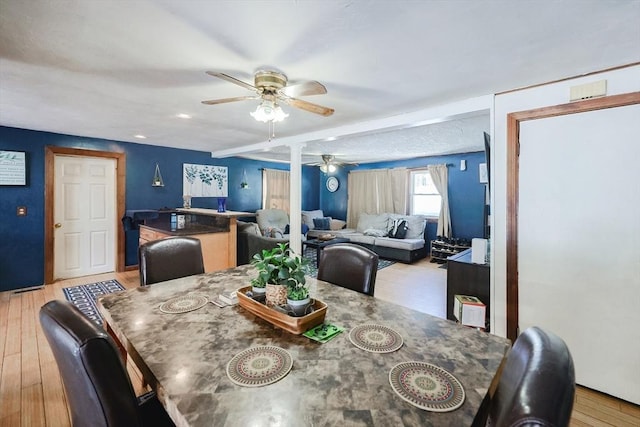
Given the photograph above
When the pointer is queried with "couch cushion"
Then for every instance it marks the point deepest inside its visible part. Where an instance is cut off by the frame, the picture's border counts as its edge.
(377, 221)
(406, 244)
(360, 238)
(416, 225)
(322, 223)
(308, 216)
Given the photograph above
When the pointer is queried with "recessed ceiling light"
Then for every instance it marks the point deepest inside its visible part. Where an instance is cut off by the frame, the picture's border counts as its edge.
(140, 136)
(183, 116)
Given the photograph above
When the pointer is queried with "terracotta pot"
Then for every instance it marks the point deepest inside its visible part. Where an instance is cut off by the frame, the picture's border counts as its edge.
(276, 295)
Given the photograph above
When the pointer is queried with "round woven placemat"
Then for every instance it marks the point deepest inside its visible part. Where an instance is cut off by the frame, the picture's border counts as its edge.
(259, 366)
(427, 386)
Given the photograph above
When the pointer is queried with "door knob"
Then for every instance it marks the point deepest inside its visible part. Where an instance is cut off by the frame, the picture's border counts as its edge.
(58, 225)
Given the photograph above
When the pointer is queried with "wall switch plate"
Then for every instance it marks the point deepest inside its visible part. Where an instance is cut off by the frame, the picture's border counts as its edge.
(463, 165)
(21, 211)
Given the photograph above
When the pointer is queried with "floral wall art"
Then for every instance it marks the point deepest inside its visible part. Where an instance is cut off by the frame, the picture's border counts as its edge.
(204, 180)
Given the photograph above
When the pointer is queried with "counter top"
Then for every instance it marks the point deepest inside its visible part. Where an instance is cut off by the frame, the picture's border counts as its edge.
(193, 224)
(214, 212)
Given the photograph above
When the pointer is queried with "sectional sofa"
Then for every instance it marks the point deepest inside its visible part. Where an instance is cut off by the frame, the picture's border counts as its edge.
(372, 232)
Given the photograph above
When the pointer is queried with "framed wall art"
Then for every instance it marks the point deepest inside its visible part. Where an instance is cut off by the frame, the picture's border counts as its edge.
(13, 168)
(205, 180)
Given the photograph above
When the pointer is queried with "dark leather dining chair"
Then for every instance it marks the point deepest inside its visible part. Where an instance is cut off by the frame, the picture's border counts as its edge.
(350, 266)
(169, 258)
(98, 388)
(537, 384)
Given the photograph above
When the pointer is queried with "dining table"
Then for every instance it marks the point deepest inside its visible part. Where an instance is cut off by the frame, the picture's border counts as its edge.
(184, 358)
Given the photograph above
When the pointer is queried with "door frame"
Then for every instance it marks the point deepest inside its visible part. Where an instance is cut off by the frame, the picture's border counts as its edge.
(49, 185)
(513, 182)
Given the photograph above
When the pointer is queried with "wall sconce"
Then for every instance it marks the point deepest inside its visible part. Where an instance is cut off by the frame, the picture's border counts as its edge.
(245, 182)
(157, 178)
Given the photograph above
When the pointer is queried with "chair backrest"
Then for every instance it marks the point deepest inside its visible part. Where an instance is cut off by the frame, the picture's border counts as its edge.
(350, 266)
(271, 218)
(169, 258)
(98, 388)
(537, 384)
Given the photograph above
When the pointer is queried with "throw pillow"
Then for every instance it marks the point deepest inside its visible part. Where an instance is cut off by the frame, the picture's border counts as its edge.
(398, 229)
(374, 232)
(308, 216)
(337, 224)
(303, 229)
(322, 223)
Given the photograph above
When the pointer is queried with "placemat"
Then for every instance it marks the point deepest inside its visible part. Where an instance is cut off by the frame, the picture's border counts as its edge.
(259, 366)
(375, 338)
(427, 386)
(183, 304)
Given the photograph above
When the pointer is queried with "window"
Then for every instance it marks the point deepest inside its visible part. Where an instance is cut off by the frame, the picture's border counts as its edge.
(275, 184)
(424, 197)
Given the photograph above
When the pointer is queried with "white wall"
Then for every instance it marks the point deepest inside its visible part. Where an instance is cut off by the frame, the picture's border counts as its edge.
(618, 82)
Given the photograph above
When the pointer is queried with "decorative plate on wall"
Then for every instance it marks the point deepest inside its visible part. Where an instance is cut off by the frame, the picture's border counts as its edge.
(332, 183)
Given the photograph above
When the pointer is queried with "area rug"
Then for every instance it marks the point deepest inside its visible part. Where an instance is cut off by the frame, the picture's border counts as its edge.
(312, 270)
(84, 297)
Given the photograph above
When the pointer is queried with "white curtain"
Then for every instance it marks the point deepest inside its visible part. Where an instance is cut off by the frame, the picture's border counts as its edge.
(275, 189)
(376, 191)
(440, 176)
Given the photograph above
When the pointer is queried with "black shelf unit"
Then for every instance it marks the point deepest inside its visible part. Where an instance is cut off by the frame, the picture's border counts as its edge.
(441, 249)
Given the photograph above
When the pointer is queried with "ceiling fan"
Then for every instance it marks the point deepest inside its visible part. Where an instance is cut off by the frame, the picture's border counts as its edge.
(271, 87)
(329, 163)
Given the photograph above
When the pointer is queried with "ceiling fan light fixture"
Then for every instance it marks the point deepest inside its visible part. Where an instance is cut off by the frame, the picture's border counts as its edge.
(328, 168)
(269, 111)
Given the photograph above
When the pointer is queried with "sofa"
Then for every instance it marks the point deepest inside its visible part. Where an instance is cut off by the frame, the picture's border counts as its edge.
(372, 231)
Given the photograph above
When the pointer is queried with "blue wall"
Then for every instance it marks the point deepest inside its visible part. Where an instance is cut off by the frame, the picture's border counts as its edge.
(22, 238)
(466, 193)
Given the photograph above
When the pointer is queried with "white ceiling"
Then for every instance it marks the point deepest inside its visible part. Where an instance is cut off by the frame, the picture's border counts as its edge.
(114, 69)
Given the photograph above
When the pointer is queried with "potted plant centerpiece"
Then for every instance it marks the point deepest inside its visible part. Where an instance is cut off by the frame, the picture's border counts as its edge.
(281, 273)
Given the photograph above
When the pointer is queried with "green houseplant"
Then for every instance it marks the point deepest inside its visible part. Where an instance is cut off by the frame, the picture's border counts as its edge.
(279, 267)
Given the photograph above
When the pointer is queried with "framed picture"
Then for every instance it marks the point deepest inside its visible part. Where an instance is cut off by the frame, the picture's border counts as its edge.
(13, 168)
(204, 180)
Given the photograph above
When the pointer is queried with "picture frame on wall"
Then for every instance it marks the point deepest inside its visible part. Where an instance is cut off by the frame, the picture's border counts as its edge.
(205, 180)
(13, 168)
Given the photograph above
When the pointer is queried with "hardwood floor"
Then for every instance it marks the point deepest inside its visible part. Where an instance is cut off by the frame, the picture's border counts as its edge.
(31, 393)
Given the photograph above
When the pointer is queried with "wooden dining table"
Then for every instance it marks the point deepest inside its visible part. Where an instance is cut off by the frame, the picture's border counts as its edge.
(184, 357)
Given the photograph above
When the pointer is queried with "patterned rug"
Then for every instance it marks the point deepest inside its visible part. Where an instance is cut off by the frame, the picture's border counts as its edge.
(312, 270)
(84, 297)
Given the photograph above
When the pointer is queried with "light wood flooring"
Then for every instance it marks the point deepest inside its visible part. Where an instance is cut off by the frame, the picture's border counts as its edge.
(31, 393)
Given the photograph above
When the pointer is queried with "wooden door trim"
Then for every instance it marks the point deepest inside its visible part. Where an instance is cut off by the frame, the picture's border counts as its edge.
(49, 183)
(513, 182)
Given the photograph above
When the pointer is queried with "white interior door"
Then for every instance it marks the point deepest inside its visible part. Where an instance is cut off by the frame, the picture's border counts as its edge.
(84, 216)
(579, 241)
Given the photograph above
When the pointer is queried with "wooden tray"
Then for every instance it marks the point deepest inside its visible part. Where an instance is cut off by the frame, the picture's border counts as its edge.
(295, 325)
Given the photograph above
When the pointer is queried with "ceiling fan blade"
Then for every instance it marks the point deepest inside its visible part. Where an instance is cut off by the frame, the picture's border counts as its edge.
(308, 106)
(304, 89)
(228, 78)
(225, 100)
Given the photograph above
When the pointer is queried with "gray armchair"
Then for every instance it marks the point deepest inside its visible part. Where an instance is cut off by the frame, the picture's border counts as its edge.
(251, 242)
